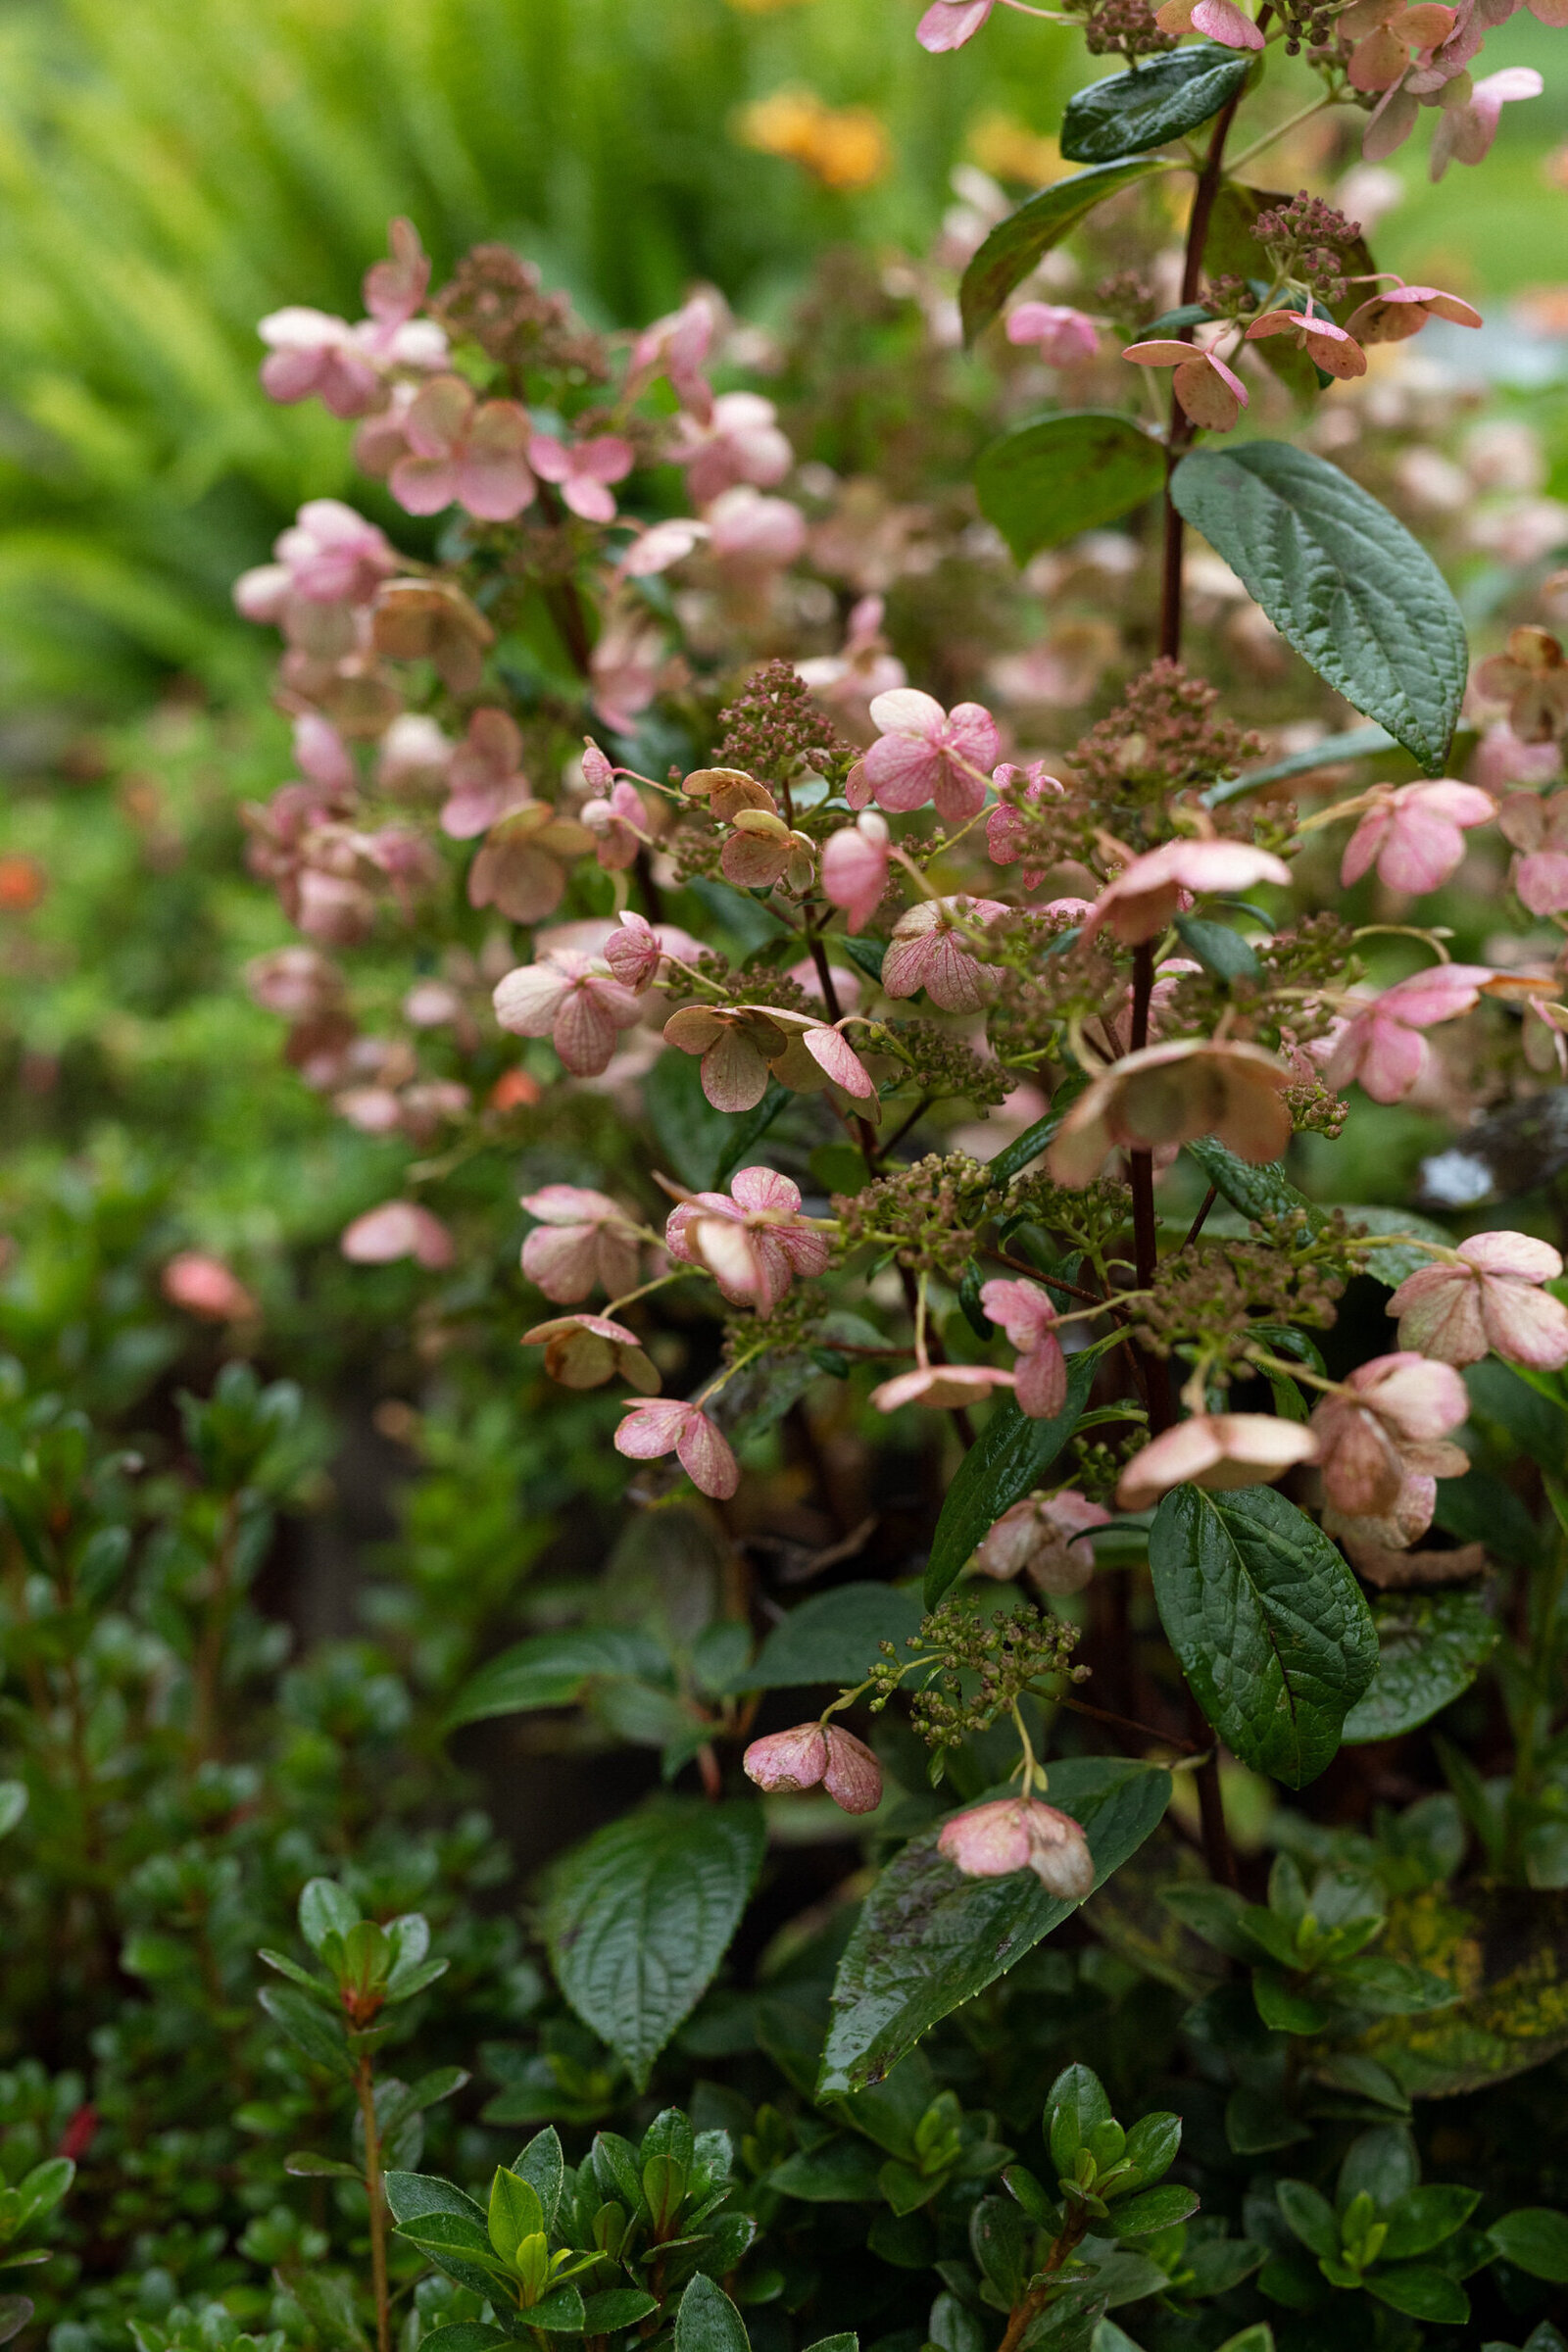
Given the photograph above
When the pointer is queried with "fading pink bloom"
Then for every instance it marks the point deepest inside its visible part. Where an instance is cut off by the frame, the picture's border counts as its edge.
(1142, 899)
(204, 1286)
(661, 546)
(397, 1229)
(637, 952)
(1395, 315)
(1369, 1534)
(664, 1425)
(1538, 828)
(943, 1388)
(742, 1046)
(1218, 19)
(927, 952)
(432, 620)
(618, 822)
(1383, 1046)
(854, 867)
(1531, 679)
(583, 1351)
(1416, 833)
(1046, 1539)
(753, 1239)
(1007, 828)
(300, 983)
(1492, 1301)
(584, 470)
(948, 24)
(1063, 337)
(583, 1238)
(1169, 1093)
(814, 1753)
(322, 755)
(1329, 346)
(740, 442)
(628, 666)
(925, 752)
(753, 533)
(863, 668)
(522, 865)
(677, 345)
(1025, 1313)
(1207, 390)
(313, 355)
(1386, 1425)
(333, 556)
(1216, 1451)
(1021, 1833)
(1465, 132)
(463, 454)
(575, 1000)
(484, 777)
(762, 851)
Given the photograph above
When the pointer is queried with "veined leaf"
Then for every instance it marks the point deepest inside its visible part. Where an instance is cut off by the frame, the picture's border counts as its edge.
(638, 1918)
(1341, 578)
(1010, 1455)
(928, 1939)
(1048, 480)
(832, 1638)
(707, 2320)
(1016, 244)
(553, 1670)
(1129, 113)
(1273, 1635)
(1431, 1647)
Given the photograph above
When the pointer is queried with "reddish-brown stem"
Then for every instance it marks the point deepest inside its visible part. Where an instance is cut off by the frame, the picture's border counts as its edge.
(1201, 1220)
(364, 2085)
(1124, 1722)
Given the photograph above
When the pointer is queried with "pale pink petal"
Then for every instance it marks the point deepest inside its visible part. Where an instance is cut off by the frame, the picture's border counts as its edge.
(1042, 1381)
(764, 1188)
(649, 1430)
(948, 24)
(527, 1000)
(854, 1777)
(397, 1229)
(902, 771)
(1421, 851)
(734, 1073)
(792, 1759)
(1363, 846)
(832, 1052)
(1527, 1326)
(704, 1454)
(1226, 23)
(1517, 1253)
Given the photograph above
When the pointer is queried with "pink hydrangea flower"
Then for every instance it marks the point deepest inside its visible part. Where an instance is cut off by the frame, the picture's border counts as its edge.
(1021, 1833)
(583, 1351)
(463, 453)
(740, 442)
(1383, 1046)
(1064, 337)
(814, 1754)
(618, 822)
(397, 1229)
(1207, 390)
(1141, 901)
(1493, 1300)
(1025, 1313)
(753, 1239)
(204, 1286)
(1393, 315)
(752, 533)
(662, 546)
(573, 1000)
(664, 1425)
(948, 24)
(927, 952)
(1465, 132)
(1046, 1539)
(1386, 1425)
(1007, 831)
(1416, 833)
(677, 346)
(943, 1388)
(636, 951)
(740, 1048)
(1329, 346)
(925, 752)
(1217, 20)
(583, 1238)
(1538, 828)
(1168, 1094)
(584, 470)
(1217, 1450)
(855, 861)
(333, 556)
(312, 354)
(484, 777)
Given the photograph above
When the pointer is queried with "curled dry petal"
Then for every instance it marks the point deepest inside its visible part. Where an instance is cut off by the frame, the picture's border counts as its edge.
(1140, 902)
(854, 867)
(1064, 337)
(1385, 1426)
(1167, 1094)
(1207, 390)
(813, 1753)
(927, 951)
(1334, 351)
(583, 1351)
(583, 1238)
(1392, 315)
(1019, 1833)
(945, 1387)
(1217, 1450)
(1383, 1048)
(664, 1425)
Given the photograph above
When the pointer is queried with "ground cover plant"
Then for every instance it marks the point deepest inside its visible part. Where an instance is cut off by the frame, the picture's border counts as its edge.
(1011, 947)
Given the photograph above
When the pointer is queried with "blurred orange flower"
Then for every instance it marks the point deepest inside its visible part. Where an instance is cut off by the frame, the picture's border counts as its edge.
(21, 885)
(844, 147)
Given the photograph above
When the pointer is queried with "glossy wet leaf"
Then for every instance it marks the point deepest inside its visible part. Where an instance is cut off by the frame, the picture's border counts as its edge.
(1016, 244)
(707, 2320)
(1009, 1458)
(1161, 99)
(1431, 1647)
(1049, 480)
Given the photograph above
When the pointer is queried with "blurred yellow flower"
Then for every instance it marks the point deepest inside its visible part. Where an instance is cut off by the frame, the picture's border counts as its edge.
(845, 147)
(1010, 150)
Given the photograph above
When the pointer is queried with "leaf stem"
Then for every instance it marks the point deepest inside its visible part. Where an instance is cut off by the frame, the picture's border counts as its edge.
(364, 2085)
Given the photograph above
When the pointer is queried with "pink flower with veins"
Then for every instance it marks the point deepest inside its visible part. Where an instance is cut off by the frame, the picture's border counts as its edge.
(677, 346)
(1169, 1093)
(1386, 1425)
(310, 354)
(1046, 1539)
(1332, 349)
(1142, 899)
(1206, 391)
(1538, 829)
(1403, 1524)
(575, 1000)
(636, 951)
(1216, 19)
(856, 862)
(333, 556)
(1026, 1314)
(1021, 1833)
(753, 1239)
(397, 1229)
(1383, 1046)
(1064, 337)
(1385, 33)
(484, 778)
(1005, 830)
(583, 1238)
(204, 1286)
(925, 752)
(618, 822)
(664, 1425)
(463, 453)
(1416, 833)
(740, 442)
(740, 1047)
(1465, 132)
(584, 471)
(1216, 1451)
(1395, 315)
(583, 1351)
(927, 951)
(948, 24)
(1492, 1301)
(814, 1754)
(522, 866)
(944, 1388)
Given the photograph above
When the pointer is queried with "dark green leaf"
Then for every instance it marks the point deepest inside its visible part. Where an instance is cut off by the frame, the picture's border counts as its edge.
(616, 2308)
(1273, 1635)
(707, 2321)
(835, 2343)
(1049, 480)
(1421, 2294)
(1283, 2008)
(838, 2171)
(14, 2313)
(543, 2167)
(463, 2336)
(553, 1670)
(1426, 2217)
(1341, 578)
(695, 1141)
(1535, 2238)
(1479, 1508)
(1009, 1458)
(867, 953)
(302, 2165)
(928, 1939)
(1152, 2209)
(1218, 949)
(326, 1910)
(1311, 2217)
(309, 2026)
(998, 2239)
(1536, 1422)
(1076, 2104)
(638, 1918)
(832, 1638)
(1431, 1647)
(1161, 99)
(561, 2312)
(1016, 244)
